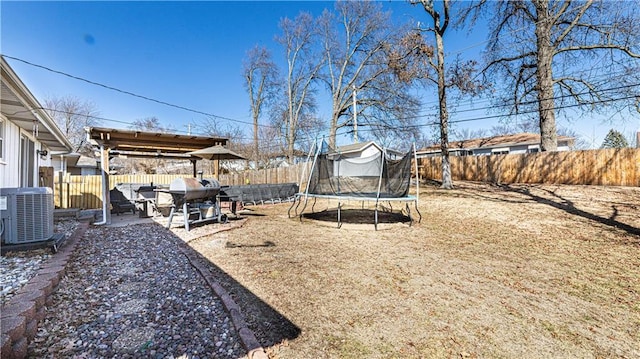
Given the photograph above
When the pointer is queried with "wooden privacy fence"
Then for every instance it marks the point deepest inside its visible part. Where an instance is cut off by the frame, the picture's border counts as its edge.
(611, 167)
(289, 174)
(86, 191)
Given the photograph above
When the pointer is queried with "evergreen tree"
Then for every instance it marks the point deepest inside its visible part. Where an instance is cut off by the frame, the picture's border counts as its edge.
(614, 139)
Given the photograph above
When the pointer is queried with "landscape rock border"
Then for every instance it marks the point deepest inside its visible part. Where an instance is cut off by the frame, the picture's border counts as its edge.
(247, 337)
(22, 313)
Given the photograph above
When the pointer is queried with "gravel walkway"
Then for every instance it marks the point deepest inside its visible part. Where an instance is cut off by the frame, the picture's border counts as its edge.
(129, 293)
(19, 267)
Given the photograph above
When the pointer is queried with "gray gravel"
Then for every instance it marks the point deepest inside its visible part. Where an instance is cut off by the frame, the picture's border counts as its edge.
(19, 267)
(130, 293)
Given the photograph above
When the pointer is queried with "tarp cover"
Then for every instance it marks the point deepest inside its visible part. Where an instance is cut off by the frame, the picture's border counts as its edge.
(337, 175)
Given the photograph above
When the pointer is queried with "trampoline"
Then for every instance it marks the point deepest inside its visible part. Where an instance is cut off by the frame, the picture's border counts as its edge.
(376, 178)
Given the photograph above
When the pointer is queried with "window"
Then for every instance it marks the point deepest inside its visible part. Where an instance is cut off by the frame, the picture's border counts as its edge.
(27, 153)
(500, 151)
(533, 149)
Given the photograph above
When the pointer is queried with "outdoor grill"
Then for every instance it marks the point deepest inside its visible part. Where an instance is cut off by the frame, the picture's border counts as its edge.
(195, 198)
(193, 190)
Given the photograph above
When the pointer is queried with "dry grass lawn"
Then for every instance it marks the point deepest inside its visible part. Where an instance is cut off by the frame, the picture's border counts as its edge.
(518, 271)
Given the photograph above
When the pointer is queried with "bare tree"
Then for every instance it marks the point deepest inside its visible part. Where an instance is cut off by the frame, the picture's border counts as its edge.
(579, 142)
(358, 39)
(557, 54)
(303, 64)
(150, 124)
(459, 77)
(72, 115)
(468, 134)
(237, 142)
(261, 75)
(149, 165)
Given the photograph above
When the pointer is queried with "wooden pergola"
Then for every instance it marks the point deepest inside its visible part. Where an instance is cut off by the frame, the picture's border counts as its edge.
(141, 144)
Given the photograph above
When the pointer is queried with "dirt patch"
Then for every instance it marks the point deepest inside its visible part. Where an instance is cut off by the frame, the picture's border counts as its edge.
(492, 271)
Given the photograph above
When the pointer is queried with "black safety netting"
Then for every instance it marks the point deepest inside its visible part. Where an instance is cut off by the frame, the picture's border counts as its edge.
(338, 175)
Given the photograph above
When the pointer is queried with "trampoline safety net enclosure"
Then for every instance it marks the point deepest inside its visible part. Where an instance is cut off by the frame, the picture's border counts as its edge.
(377, 177)
(373, 176)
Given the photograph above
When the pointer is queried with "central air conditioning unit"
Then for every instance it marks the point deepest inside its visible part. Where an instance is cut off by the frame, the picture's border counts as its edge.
(26, 214)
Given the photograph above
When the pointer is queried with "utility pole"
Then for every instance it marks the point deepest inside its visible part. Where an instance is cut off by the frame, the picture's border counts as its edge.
(355, 117)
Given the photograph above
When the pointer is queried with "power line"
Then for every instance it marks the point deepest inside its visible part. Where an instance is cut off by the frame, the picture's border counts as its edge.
(606, 76)
(488, 117)
(130, 93)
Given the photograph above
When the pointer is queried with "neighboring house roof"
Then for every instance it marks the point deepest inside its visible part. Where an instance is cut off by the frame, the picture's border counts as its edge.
(72, 158)
(361, 146)
(87, 162)
(23, 109)
(494, 141)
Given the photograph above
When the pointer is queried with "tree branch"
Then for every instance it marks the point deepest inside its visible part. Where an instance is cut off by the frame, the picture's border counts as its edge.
(598, 47)
(573, 23)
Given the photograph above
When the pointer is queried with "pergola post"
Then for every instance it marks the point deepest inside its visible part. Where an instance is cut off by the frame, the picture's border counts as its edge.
(195, 171)
(106, 198)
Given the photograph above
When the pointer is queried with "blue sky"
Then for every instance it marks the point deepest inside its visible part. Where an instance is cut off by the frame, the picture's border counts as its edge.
(186, 53)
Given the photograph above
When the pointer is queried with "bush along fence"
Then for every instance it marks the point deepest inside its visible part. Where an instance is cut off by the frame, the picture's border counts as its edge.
(611, 167)
(608, 167)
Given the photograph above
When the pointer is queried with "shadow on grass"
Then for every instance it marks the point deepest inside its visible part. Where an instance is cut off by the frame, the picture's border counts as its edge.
(559, 202)
(357, 216)
(269, 326)
(236, 245)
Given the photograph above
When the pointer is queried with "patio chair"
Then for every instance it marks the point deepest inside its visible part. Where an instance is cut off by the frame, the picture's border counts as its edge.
(120, 203)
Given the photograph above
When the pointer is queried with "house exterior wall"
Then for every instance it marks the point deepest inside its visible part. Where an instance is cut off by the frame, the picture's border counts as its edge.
(513, 149)
(11, 155)
(89, 171)
(10, 163)
(564, 146)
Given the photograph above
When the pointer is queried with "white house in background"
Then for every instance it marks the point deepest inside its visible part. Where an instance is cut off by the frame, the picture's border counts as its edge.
(366, 149)
(496, 145)
(29, 137)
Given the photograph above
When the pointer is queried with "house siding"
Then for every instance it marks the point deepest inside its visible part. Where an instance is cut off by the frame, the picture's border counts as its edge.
(11, 158)
(10, 163)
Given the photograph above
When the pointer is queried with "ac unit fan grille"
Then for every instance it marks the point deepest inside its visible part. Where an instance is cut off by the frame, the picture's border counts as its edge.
(34, 219)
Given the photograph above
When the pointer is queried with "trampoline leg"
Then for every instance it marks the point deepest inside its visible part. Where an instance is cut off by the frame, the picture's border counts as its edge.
(339, 222)
(314, 204)
(298, 205)
(375, 222)
(409, 214)
(417, 210)
(291, 207)
(303, 208)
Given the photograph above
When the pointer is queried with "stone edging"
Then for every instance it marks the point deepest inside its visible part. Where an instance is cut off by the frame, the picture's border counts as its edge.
(248, 339)
(23, 312)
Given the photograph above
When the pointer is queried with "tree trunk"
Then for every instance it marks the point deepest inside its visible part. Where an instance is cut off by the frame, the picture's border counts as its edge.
(447, 182)
(546, 105)
(291, 141)
(255, 137)
(333, 129)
